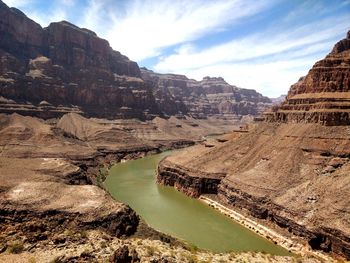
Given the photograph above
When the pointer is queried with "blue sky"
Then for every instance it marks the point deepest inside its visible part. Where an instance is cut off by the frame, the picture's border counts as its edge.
(264, 45)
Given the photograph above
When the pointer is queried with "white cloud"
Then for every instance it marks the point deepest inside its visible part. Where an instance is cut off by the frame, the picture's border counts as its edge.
(270, 78)
(68, 2)
(44, 20)
(147, 27)
(94, 18)
(269, 61)
(17, 3)
(255, 46)
(58, 10)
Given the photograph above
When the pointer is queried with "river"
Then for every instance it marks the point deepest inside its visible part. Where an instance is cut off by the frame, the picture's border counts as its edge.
(172, 212)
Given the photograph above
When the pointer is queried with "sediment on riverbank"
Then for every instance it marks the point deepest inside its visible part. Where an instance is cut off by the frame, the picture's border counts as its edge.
(289, 243)
(202, 187)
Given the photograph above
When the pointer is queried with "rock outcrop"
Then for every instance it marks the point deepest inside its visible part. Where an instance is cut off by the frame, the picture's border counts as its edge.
(323, 95)
(56, 196)
(208, 97)
(193, 183)
(66, 65)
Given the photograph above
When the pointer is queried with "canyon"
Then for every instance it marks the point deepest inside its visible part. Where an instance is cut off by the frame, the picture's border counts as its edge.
(71, 107)
(208, 97)
(47, 72)
(290, 172)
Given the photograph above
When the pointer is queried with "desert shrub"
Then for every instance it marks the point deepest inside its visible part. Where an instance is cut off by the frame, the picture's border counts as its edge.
(16, 247)
(150, 250)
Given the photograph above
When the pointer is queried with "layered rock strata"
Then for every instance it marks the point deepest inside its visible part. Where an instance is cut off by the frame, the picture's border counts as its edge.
(56, 198)
(292, 173)
(71, 69)
(66, 65)
(193, 183)
(294, 176)
(208, 97)
(323, 95)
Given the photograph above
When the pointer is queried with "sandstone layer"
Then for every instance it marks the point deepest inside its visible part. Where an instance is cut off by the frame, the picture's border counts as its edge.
(294, 175)
(323, 95)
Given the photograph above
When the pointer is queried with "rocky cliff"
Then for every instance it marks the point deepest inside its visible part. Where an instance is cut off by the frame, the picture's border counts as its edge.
(71, 69)
(208, 97)
(292, 177)
(66, 65)
(323, 95)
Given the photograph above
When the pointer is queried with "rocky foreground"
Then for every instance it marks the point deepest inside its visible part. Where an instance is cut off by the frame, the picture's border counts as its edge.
(52, 206)
(290, 173)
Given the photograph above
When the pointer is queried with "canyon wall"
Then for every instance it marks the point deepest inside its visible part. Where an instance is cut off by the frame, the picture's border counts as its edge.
(290, 173)
(47, 72)
(208, 97)
(63, 65)
(193, 183)
(323, 95)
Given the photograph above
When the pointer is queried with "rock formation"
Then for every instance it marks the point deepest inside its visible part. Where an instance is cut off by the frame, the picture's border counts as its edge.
(323, 95)
(292, 176)
(74, 70)
(208, 97)
(66, 65)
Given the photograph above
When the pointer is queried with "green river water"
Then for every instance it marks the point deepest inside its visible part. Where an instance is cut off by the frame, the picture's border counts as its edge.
(172, 212)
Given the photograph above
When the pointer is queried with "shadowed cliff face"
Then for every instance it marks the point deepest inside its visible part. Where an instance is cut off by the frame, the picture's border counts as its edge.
(323, 95)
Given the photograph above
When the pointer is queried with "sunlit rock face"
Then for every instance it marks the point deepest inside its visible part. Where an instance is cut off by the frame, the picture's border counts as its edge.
(323, 95)
(210, 96)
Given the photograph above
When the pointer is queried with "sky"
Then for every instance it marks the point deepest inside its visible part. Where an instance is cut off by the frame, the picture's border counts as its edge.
(266, 45)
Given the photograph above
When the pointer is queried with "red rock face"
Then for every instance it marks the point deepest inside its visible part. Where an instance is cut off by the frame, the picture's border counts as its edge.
(19, 34)
(323, 95)
(66, 65)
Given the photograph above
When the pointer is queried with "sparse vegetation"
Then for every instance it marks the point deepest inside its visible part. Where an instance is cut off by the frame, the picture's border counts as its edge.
(150, 250)
(191, 247)
(101, 177)
(103, 244)
(83, 234)
(16, 247)
(192, 258)
(68, 233)
(56, 260)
